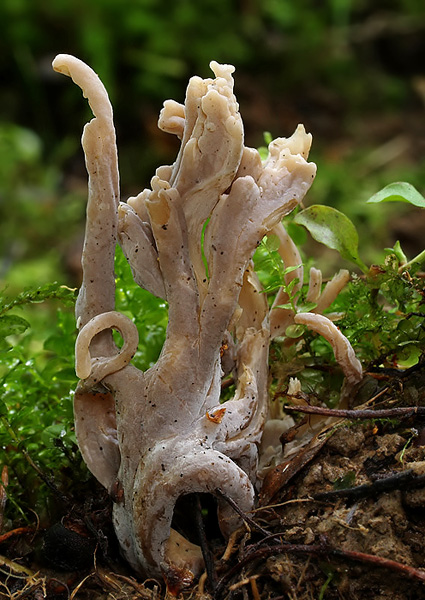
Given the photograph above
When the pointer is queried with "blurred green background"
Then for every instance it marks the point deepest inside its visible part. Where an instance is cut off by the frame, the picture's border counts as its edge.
(352, 71)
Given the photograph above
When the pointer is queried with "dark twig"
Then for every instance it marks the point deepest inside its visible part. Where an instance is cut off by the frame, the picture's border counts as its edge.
(401, 412)
(318, 550)
(402, 480)
(379, 561)
(226, 383)
(15, 532)
(240, 512)
(203, 542)
(30, 590)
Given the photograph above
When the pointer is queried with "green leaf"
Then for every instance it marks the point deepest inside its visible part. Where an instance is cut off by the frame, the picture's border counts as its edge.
(12, 325)
(288, 270)
(51, 433)
(296, 232)
(333, 229)
(268, 138)
(287, 306)
(399, 191)
(3, 411)
(294, 331)
(306, 306)
(263, 151)
(291, 285)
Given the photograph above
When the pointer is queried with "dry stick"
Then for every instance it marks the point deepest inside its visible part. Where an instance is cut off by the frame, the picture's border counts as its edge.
(16, 568)
(272, 536)
(203, 542)
(379, 561)
(402, 412)
(201, 584)
(231, 543)
(402, 480)
(14, 532)
(320, 550)
(30, 590)
(227, 383)
(240, 512)
(284, 394)
(254, 587)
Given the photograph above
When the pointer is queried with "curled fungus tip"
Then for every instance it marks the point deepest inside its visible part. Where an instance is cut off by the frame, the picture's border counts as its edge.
(84, 76)
(85, 364)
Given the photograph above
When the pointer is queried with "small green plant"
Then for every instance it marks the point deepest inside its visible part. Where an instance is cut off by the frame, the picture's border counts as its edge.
(36, 383)
(382, 309)
(273, 275)
(330, 576)
(336, 231)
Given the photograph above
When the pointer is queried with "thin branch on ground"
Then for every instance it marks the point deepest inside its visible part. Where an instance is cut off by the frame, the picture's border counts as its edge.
(318, 550)
(203, 542)
(402, 480)
(15, 532)
(244, 516)
(401, 412)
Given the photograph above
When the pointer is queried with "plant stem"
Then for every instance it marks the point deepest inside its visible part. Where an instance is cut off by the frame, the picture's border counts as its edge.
(418, 259)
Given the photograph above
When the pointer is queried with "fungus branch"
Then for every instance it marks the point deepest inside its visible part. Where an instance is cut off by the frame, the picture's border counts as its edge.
(342, 348)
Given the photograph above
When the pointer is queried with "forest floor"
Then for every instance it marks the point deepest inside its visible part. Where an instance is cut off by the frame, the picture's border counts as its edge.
(343, 518)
